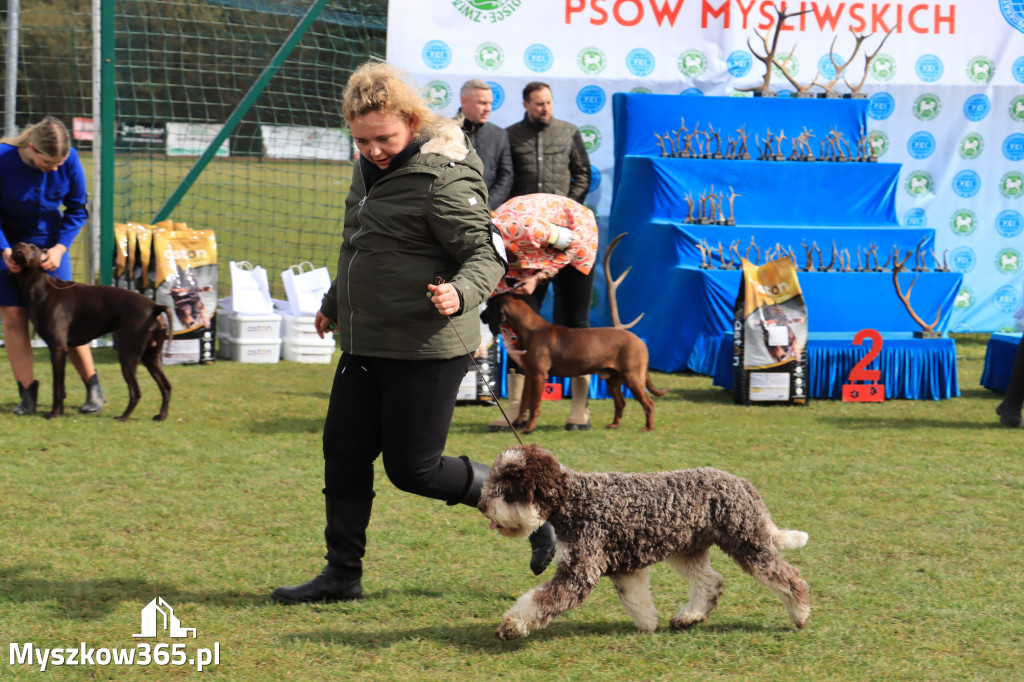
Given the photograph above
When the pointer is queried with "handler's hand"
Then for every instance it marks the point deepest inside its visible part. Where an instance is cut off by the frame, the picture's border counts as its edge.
(324, 324)
(54, 254)
(11, 265)
(528, 283)
(445, 298)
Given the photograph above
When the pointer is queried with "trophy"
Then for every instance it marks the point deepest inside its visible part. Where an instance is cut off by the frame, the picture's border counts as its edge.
(768, 58)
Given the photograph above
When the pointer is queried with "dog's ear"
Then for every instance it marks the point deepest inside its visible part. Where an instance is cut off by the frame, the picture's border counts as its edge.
(540, 477)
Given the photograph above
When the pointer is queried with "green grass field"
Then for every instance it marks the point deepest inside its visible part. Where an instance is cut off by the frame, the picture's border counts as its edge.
(913, 510)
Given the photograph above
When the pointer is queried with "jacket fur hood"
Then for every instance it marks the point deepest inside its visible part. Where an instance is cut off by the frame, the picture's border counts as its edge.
(448, 140)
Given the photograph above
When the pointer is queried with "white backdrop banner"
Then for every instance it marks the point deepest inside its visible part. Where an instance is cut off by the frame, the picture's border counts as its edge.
(946, 92)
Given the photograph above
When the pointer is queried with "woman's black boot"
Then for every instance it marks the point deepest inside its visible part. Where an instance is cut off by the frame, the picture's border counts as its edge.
(542, 540)
(29, 396)
(345, 536)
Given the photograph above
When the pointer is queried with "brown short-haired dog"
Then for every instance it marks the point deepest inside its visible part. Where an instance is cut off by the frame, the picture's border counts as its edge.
(618, 525)
(615, 355)
(67, 314)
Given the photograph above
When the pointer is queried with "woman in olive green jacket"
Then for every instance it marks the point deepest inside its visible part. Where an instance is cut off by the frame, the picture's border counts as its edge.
(418, 257)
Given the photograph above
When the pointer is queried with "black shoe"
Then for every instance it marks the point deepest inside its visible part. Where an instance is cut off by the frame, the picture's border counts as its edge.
(1008, 417)
(323, 589)
(94, 398)
(542, 541)
(29, 397)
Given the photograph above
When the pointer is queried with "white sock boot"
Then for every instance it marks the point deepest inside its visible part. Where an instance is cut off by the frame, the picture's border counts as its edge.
(579, 415)
(515, 397)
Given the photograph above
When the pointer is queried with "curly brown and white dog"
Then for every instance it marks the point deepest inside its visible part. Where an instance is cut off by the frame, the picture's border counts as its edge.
(619, 524)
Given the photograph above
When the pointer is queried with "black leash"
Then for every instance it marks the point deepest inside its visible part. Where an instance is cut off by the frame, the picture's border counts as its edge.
(438, 281)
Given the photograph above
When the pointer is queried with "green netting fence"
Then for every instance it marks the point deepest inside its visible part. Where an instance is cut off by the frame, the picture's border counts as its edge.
(273, 190)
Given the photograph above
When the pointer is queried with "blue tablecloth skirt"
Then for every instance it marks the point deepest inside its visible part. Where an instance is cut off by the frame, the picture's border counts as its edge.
(911, 368)
(999, 357)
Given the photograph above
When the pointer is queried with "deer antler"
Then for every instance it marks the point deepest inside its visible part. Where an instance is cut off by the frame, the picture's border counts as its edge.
(613, 305)
(897, 267)
(868, 58)
(769, 56)
(842, 67)
(785, 72)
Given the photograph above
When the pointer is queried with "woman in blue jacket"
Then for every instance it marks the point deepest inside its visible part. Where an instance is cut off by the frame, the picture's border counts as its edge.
(39, 174)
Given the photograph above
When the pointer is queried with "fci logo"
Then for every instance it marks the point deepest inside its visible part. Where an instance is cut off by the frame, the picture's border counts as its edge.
(489, 56)
(971, 146)
(883, 67)
(927, 107)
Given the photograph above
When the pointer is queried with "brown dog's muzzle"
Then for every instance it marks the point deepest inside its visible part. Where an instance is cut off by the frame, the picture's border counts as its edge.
(25, 254)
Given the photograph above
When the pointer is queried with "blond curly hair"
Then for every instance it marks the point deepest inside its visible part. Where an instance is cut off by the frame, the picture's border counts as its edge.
(383, 87)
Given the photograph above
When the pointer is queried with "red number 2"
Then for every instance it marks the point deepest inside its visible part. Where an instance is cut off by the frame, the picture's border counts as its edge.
(859, 373)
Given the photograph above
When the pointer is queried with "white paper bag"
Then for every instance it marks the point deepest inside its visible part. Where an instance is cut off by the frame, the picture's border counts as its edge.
(250, 289)
(305, 286)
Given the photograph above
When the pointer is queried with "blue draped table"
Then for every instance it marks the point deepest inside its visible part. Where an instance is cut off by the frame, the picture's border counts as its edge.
(911, 369)
(999, 356)
(689, 308)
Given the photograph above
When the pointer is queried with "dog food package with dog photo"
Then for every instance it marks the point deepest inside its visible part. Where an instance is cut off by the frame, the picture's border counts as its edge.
(770, 362)
(186, 282)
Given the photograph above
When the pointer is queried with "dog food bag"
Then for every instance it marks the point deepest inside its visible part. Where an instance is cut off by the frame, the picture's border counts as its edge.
(186, 282)
(770, 362)
(133, 238)
(121, 255)
(144, 265)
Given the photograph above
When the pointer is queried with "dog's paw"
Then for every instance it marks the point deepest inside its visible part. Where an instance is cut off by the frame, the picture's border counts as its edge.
(686, 621)
(510, 630)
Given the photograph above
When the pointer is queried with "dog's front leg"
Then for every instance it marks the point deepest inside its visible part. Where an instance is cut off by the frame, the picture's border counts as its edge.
(532, 392)
(542, 604)
(58, 357)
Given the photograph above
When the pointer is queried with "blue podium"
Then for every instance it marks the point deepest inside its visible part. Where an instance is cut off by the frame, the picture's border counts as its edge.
(848, 208)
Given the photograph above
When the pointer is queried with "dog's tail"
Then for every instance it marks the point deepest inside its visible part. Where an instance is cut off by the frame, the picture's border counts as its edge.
(650, 386)
(789, 539)
(166, 312)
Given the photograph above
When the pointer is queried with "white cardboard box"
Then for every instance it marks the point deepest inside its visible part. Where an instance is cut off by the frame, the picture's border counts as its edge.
(248, 327)
(249, 350)
(300, 351)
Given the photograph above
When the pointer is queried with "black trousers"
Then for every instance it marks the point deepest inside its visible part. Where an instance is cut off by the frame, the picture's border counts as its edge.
(574, 292)
(400, 410)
